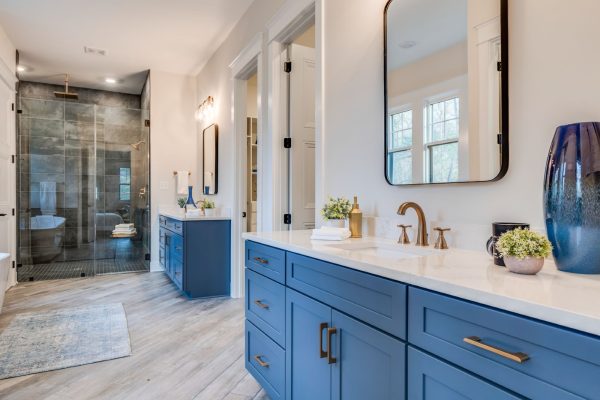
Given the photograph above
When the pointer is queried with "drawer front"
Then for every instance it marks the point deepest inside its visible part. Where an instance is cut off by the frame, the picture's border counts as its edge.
(374, 300)
(175, 226)
(562, 364)
(176, 243)
(162, 221)
(265, 360)
(266, 260)
(265, 305)
(432, 379)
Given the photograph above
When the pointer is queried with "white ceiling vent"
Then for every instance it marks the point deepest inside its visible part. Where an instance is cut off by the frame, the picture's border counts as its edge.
(94, 51)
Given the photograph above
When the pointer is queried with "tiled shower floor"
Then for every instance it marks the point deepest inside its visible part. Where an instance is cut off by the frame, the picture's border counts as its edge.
(77, 269)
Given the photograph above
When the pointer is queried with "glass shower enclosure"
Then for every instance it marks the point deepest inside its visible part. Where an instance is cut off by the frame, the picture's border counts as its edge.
(83, 181)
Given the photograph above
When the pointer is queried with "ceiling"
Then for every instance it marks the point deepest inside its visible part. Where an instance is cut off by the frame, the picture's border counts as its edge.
(177, 36)
(432, 25)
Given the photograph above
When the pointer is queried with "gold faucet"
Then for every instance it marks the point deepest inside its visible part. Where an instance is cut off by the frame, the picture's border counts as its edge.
(422, 229)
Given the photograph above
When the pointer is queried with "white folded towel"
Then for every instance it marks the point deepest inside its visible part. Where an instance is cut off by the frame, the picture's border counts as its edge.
(194, 213)
(182, 182)
(330, 233)
(124, 226)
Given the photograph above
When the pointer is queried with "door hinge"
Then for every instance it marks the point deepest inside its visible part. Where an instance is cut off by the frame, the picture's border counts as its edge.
(147, 123)
(13, 211)
(14, 264)
(12, 157)
(499, 66)
(287, 143)
(287, 219)
(499, 138)
(287, 66)
(12, 106)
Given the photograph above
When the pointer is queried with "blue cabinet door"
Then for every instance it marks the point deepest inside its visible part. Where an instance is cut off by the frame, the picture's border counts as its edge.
(369, 363)
(432, 379)
(308, 374)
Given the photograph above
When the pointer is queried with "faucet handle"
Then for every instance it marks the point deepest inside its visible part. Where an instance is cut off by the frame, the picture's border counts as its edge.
(440, 243)
(403, 239)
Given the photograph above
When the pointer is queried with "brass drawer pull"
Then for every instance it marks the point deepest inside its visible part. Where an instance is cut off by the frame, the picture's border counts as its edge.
(261, 260)
(261, 304)
(322, 327)
(330, 332)
(260, 362)
(477, 342)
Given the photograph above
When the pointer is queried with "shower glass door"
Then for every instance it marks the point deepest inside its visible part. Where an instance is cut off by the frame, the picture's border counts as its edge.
(82, 166)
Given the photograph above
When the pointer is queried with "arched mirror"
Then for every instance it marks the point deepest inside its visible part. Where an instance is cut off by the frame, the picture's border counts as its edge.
(446, 91)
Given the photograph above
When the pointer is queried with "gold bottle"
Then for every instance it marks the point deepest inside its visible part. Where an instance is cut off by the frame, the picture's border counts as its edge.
(355, 220)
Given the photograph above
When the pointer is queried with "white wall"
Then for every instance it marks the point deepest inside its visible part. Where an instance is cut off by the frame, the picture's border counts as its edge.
(554, 66)
(173, 142)
(215, 80)
(8, 53)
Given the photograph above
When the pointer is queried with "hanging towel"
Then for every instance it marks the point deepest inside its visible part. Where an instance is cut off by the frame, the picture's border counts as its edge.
(182, 182)
(48, 198)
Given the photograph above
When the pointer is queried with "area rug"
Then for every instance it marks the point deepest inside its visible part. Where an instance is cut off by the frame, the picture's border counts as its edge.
(44, 341)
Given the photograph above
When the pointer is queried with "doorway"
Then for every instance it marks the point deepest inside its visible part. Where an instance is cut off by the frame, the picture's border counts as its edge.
(251, 165)
(301, 144)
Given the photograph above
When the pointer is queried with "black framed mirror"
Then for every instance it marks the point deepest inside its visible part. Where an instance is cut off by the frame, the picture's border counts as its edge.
(210, 160)
(446, 91)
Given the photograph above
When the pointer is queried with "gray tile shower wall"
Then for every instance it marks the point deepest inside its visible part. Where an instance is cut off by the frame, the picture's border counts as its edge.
(83, 147)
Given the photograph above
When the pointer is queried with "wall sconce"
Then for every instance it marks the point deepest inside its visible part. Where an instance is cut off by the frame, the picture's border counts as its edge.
(206, 109)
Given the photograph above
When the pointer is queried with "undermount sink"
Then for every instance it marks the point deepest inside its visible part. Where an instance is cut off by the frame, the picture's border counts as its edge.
(383, 250)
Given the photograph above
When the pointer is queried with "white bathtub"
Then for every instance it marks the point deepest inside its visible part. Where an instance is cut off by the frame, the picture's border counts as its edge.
(4, 268)
(47, 235)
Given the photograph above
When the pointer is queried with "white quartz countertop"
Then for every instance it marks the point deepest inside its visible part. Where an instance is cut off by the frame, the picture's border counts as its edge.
(562, 298)
(180, 216)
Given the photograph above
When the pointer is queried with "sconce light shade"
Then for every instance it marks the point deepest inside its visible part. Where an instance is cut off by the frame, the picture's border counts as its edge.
(206, 110)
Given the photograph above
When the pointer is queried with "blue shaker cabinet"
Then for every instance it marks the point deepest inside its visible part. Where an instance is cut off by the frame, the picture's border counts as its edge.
(196, 255)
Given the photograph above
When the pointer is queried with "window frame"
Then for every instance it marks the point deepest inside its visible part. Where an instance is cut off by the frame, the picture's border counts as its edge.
(127, 183)
(390, 151)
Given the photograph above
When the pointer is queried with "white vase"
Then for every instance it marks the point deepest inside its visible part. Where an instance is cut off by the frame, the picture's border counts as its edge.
(336, 223)
(209, 212)
(525, 266)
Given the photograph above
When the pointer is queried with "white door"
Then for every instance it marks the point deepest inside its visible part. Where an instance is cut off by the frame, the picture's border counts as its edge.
(7, 175)
(302, 132)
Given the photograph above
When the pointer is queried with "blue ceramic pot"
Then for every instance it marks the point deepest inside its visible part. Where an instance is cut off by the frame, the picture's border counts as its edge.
(572, 197)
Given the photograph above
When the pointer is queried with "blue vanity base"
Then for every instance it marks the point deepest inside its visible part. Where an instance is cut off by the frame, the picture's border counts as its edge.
(316, 330)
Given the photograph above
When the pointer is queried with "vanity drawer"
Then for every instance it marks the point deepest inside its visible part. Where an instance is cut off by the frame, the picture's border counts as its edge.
(265, 305)
(175, 226)
(377, 301)
(265, 360)
(562, 364)
(266, 260)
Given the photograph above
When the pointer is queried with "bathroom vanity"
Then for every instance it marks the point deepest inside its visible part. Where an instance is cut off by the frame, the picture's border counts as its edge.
(372, 319)
(196, 253)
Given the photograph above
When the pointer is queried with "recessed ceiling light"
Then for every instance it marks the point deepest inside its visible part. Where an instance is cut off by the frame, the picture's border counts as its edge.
(110, 80)
(21, 68)
(407, 44)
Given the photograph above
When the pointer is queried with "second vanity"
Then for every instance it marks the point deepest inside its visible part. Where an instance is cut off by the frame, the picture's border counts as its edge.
(371, 319)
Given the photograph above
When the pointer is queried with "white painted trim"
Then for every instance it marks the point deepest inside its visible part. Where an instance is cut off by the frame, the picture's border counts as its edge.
(289, 19)
(293, 17)
(249, 60)
(7, 76)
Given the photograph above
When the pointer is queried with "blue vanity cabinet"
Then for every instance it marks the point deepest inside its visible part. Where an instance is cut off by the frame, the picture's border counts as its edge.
(429, 378)
(196, 255)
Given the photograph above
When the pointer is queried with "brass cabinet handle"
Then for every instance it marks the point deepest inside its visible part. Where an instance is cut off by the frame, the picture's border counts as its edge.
(261, 304)
(477, 342)
(322, 327)
(260, 361)
(261, 260)
(330, 332)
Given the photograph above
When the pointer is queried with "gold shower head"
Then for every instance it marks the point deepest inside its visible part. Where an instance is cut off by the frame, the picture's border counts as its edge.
(66, 94)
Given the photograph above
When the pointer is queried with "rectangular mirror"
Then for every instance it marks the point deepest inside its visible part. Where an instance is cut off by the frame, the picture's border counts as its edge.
(210, 138)
(446, 91)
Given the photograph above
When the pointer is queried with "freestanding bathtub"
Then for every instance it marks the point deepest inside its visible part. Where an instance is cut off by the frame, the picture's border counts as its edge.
(47, 235)
(4, 268)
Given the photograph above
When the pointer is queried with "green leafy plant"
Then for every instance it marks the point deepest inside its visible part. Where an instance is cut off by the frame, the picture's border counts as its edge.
(206, 203)
(523, 243)
(336, 208)
(181, 202)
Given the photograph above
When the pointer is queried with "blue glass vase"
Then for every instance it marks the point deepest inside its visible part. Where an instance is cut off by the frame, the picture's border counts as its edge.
(190, 199)
(572, 197)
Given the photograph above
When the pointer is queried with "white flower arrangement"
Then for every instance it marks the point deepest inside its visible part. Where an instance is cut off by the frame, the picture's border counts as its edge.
(336, 208)
(523, 243)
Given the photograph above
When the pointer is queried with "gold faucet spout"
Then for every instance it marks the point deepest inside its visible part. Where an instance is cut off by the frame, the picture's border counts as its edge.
(422, 228)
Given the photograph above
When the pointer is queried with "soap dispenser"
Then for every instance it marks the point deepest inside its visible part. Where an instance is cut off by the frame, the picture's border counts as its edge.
(355, 220)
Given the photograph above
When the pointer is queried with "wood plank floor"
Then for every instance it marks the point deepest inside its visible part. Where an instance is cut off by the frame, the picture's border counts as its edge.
(182, 349)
